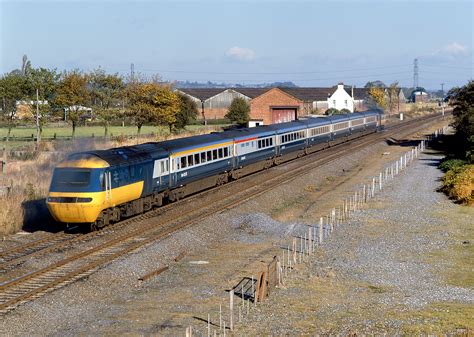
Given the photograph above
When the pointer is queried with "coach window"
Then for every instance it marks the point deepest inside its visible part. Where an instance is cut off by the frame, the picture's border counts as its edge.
(214, 154)
(196, 158)
(209, 155)
(203, 157)
(190, 160)
(221, 153)
(183, 162)
(226, 151)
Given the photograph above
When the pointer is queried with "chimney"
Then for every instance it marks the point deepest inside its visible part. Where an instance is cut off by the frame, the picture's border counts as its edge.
(340, 85)
(352, 92)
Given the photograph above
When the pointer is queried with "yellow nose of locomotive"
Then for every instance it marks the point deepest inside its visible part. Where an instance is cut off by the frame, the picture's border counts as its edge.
(76, 193)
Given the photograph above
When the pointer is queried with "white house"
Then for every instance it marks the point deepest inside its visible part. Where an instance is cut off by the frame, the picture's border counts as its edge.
(340, 99)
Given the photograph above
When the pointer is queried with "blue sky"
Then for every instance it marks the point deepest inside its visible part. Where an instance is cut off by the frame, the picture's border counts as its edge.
(316, 43)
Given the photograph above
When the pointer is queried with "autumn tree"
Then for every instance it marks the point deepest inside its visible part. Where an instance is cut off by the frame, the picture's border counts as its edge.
(377, 97)
(462, 99)
(13, 87)
(392, 95)
(72, 93)
(239, 111)
(45, 81)
(106, 116)
(186, 114)
(151, 103)
(107, 91)
(375, 84)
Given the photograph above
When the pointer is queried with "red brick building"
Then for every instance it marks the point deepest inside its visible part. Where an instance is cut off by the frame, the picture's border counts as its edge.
(275, 106)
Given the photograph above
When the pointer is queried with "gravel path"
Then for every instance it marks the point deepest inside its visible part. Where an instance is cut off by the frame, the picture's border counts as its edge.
(376, 265)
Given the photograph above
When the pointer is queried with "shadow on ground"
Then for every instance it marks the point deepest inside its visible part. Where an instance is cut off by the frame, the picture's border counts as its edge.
(37, 217)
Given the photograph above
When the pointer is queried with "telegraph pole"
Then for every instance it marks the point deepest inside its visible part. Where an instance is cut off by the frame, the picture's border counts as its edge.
(442, 99)
(37, 121)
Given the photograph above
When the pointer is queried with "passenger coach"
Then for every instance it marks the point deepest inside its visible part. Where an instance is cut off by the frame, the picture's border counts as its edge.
(100, 187)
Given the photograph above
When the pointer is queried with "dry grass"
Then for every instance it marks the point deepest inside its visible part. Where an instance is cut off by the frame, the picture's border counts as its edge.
(29, 180)
(420, 109)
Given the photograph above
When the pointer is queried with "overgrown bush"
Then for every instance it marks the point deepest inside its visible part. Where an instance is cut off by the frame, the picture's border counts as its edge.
(458, 183)
(450, 164)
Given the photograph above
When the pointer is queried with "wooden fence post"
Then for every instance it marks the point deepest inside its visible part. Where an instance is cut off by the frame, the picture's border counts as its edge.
(310, 245)
(320, 230)
(294, 250)
(231, 304)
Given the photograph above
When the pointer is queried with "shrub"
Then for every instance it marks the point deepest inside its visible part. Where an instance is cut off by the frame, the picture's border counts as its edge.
(458, 183)
(239, 111)
(450, 164)
(332, 111)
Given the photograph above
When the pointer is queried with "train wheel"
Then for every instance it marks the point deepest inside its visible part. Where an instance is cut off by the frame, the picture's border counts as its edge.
(94, 227)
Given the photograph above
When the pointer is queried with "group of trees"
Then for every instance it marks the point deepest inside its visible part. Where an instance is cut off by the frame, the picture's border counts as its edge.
(462, 99)
(111, 97)
(384, 97)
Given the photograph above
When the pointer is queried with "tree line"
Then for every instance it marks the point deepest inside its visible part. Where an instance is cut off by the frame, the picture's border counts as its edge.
(140, 100)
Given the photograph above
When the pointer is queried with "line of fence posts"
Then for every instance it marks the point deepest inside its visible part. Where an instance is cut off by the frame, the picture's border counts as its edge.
(257, 289)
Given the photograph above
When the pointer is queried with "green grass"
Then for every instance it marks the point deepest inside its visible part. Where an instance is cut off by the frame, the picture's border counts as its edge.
(89, 131)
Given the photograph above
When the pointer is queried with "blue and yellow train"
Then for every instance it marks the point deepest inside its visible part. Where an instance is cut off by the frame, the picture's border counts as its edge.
(96, 188)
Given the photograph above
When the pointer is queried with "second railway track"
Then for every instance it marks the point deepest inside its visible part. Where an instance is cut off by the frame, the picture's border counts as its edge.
(127, 239)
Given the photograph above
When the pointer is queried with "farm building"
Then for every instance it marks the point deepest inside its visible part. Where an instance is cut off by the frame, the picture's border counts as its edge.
(275, 106)
(318, 100)
(419, 95)
(213, 103)
(290, 103)
(315, 100)
(360, 98)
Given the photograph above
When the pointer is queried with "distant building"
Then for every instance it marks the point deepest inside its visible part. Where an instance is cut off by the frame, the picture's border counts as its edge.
(360, 98)
(24, 109)
(275, 106)
(212, 103)
(86, 112)
(341, 99)
(419, 95)
(315, 100)
(288, 103)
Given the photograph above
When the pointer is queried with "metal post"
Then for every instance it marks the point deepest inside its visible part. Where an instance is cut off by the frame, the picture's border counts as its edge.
(37, 121)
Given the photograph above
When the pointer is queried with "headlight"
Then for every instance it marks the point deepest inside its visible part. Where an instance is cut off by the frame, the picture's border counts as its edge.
(68, 200)
(83, 199)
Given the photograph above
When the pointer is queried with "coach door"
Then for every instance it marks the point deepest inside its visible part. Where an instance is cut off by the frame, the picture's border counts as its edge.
(161, 173)
(108, 185)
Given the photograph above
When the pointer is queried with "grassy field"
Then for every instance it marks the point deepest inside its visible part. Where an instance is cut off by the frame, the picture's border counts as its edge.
(89, 131)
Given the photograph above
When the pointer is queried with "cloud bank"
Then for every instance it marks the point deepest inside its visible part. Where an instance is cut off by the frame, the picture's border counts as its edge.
(240, 54)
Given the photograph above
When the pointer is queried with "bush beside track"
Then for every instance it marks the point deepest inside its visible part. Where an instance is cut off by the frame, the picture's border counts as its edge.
(458, 182)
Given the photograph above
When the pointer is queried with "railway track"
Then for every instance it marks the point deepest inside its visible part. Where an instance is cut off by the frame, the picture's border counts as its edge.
(127, 239)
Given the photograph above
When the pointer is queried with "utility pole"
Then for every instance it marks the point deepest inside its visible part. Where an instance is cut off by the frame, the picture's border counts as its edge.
(442, 99)
(37, 121)
(132, 71)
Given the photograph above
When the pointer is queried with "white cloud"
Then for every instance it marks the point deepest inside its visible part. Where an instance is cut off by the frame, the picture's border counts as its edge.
(455, 49)
(240, 54)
